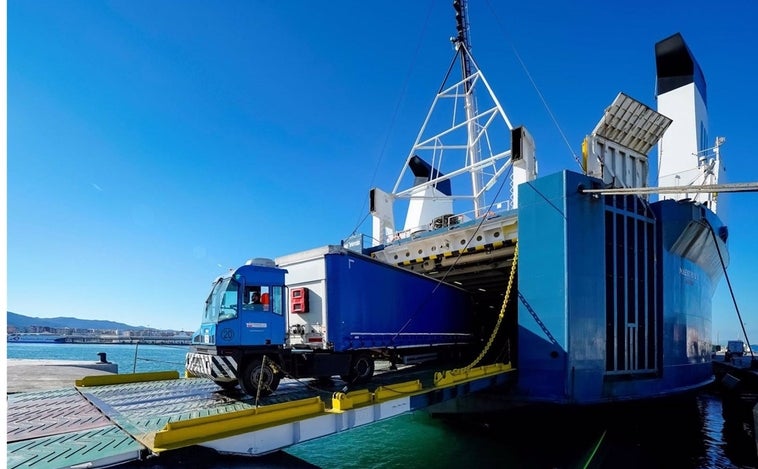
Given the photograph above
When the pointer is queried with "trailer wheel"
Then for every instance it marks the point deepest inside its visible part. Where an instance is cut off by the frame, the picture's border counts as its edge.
(256, 373)
(227, 385)
(361, 369)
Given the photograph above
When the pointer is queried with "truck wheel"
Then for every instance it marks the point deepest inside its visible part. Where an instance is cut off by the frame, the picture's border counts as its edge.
(256, 373)
(361, 369)
(227, 385)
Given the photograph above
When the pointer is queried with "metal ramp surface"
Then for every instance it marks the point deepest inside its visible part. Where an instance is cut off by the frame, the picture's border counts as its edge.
(97, 424)
(60, 428)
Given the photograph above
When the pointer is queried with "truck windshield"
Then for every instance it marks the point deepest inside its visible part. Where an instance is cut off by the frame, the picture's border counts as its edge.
(222, 301)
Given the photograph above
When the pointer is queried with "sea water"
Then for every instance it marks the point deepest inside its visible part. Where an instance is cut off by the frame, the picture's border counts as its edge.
(707, 431)
(130, 358)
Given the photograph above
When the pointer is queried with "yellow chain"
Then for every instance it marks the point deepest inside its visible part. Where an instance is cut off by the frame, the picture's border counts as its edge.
(499, 318)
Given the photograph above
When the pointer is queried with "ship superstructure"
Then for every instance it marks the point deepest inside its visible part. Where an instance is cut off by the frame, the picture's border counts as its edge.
(611, 294)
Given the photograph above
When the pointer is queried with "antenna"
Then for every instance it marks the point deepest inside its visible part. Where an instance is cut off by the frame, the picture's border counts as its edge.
(462, 46)
(461, 19)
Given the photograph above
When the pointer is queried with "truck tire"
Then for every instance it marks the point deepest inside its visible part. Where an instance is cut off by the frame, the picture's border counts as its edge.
(361, 369)
(256, 373)
(227, 385)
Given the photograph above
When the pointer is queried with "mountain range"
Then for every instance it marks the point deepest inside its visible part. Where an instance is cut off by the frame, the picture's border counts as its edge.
(21, 321)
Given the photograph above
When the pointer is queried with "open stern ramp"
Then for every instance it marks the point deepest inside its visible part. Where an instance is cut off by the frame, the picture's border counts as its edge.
(98, 424)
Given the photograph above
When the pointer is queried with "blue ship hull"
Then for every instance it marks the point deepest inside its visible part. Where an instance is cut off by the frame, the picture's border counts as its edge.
(615, 294)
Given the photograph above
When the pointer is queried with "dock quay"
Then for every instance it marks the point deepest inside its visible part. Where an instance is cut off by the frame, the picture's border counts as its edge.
(27, 375)
(110, 419)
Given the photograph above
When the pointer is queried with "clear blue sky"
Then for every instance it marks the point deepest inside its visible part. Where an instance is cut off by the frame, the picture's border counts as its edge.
(153, 144)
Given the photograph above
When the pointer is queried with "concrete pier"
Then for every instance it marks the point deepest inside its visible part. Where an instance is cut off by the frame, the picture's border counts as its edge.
(41, 375)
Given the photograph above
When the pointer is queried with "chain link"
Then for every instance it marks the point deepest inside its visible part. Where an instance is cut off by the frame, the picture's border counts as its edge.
(499, 318)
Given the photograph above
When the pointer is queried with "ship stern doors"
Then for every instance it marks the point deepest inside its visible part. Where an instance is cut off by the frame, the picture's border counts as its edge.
(632, 288)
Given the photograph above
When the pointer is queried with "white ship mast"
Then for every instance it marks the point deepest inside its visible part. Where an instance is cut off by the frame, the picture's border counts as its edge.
(466, 134)
(461, 43)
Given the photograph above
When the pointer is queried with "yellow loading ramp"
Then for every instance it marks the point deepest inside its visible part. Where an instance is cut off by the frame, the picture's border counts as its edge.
(262, 430)
(115, 419)
(167, 415)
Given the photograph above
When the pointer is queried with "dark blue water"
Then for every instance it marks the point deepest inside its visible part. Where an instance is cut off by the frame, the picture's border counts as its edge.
(708, 430)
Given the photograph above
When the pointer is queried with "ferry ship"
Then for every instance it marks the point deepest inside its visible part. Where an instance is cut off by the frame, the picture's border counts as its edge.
(35, 337)
(593, 291)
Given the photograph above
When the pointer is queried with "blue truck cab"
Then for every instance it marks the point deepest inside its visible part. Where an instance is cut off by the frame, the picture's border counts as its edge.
(245, 308)
(243, 324)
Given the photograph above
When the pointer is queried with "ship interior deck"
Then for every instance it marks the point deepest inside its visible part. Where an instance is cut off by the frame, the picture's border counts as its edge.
(484, 269)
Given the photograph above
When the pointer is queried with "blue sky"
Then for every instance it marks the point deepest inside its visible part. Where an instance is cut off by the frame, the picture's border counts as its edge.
(153, 144)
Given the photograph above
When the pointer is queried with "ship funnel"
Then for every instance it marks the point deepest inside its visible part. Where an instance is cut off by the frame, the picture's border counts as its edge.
(686, 156)
(423, 173)
(430, 196)
(430, 204)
